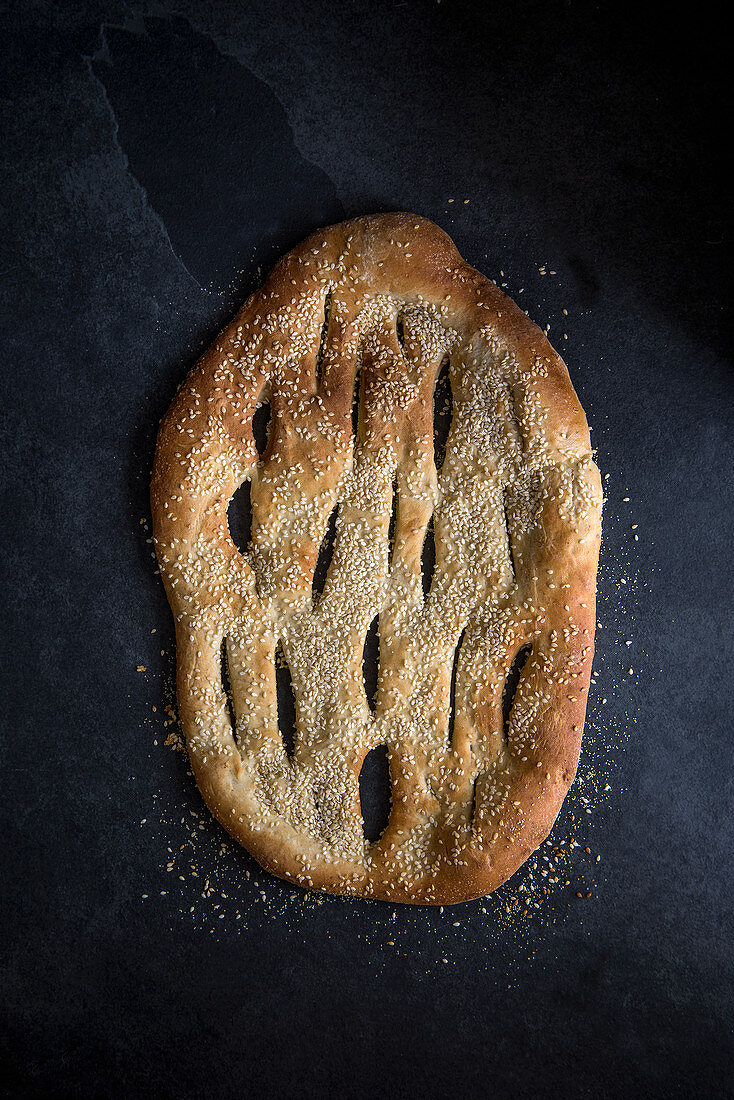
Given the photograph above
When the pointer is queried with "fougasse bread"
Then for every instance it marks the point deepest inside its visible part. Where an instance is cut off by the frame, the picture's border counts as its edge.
(345, 342)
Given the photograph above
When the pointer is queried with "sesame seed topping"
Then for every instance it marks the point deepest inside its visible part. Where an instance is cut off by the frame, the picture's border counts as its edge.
(354, 472)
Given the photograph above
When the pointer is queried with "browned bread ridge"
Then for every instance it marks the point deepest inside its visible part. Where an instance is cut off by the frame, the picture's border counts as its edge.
(365, 313)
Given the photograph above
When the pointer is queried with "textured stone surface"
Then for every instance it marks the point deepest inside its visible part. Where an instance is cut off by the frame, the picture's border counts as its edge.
(152, 162)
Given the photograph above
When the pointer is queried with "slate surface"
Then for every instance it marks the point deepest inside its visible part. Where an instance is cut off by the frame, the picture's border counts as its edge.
(155, 159)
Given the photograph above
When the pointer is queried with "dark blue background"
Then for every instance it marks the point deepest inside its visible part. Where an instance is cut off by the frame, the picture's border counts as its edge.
(156, 159)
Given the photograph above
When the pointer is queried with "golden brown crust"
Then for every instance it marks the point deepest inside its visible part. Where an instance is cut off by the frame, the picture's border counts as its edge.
(516, 509)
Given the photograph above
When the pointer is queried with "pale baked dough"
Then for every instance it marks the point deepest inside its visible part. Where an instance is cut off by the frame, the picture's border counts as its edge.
(466, 813)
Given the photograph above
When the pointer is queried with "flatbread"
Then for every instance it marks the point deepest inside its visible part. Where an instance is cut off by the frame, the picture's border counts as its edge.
(345, 342)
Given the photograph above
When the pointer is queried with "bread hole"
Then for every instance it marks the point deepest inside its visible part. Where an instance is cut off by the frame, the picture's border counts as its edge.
(261, 427)
(286, 701)
(326, 552)
(473, 807)
(510, 552)
(407, 349)
(318, 369)
(227, 687)
(510, 689)
(375, 793)
(428, 557)
(239, 517)
(443, 411)
(371, 662)
(400, 333)
(393, 522)
(452, 697)
(356, 398)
